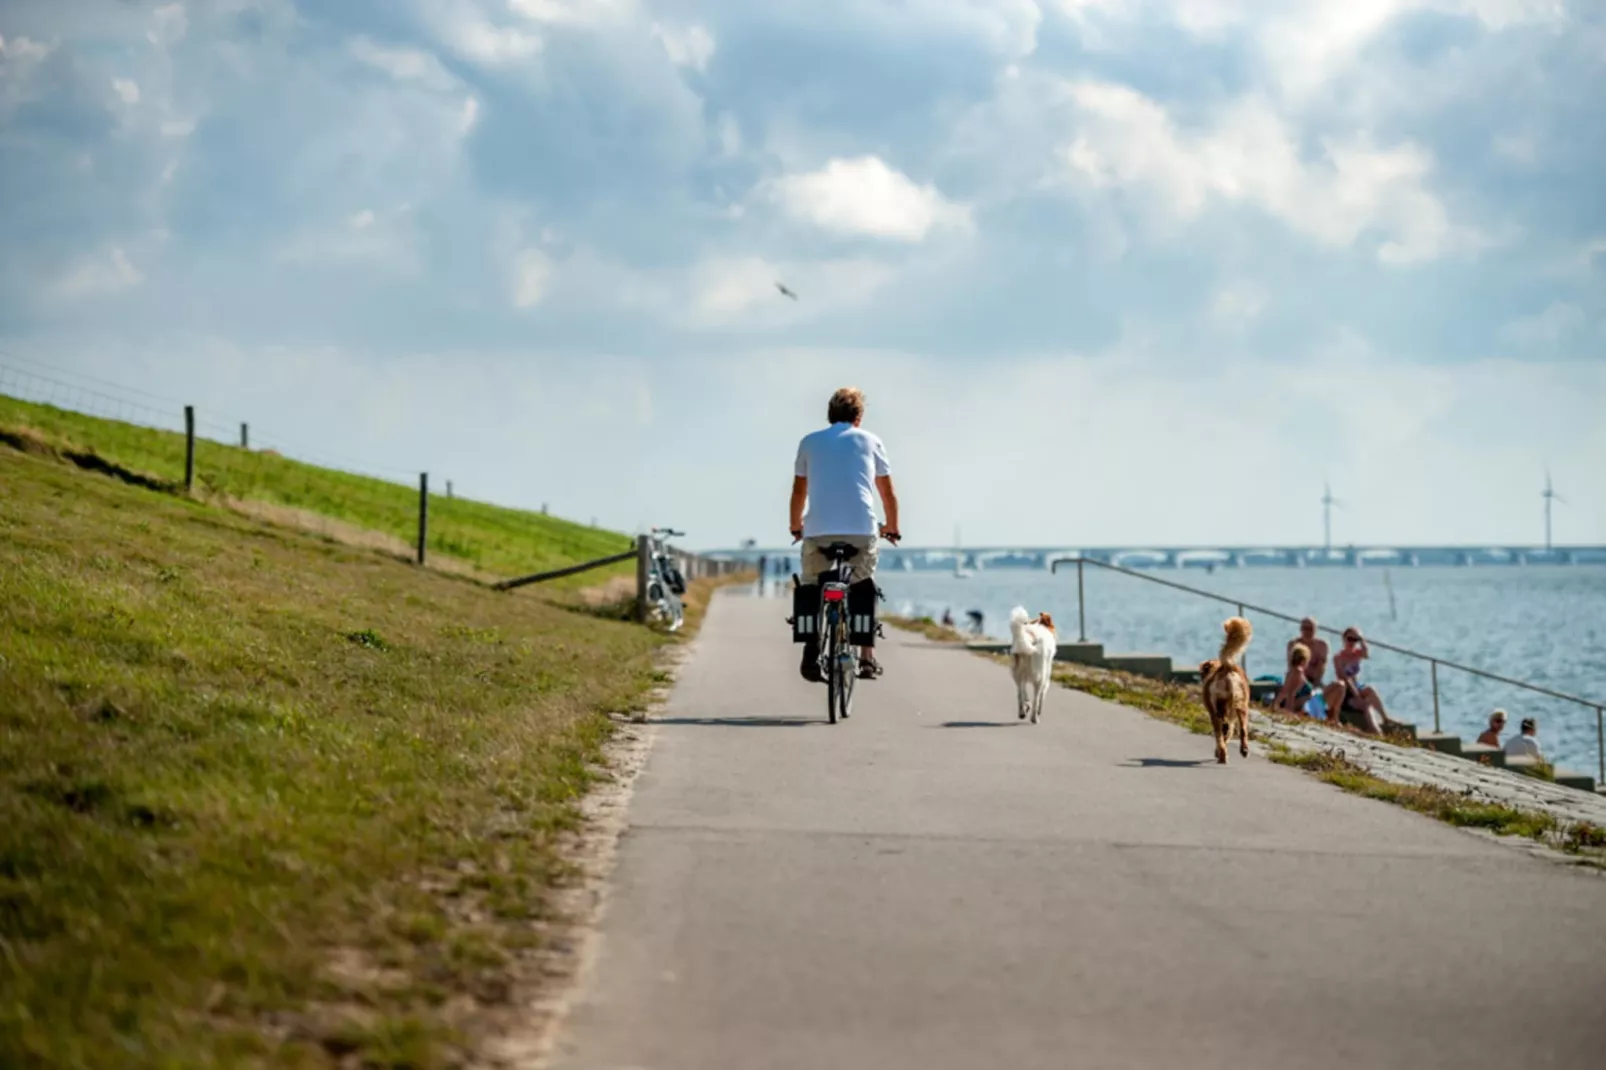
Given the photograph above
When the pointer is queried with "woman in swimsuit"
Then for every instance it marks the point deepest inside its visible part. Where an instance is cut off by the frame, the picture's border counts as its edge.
(1347, 691)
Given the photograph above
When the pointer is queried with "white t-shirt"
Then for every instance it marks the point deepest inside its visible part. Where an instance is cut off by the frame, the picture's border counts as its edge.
(1521, 744)
(841, 463)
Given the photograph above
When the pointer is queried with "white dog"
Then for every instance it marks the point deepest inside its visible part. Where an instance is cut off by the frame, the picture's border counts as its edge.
(1033, 655)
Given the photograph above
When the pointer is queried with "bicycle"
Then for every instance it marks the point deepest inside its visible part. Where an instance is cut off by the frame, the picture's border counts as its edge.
(665, 584)
(838, 655)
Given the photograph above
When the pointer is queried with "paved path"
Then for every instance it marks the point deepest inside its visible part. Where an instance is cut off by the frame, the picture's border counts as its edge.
(933, 885)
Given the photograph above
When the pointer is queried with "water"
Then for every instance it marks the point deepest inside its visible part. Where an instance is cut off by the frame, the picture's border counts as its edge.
(1543, 625)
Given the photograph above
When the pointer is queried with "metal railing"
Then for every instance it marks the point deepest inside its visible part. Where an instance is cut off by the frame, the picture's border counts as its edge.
(1433, 661)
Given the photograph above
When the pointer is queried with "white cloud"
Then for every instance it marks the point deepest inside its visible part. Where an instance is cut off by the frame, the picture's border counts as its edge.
(102, 273)
(127, 90)
(362, 220)
(1559, 324)
(1250, 156)
(178, 127)
(171, 25)
(865, 196)
(730, 135)
(573, 12)
(532, 273)
(469, 116)
(1238, 303)
(21, 48)
(466, 31)
(691, 47)
(402, 64)
(1518, 148)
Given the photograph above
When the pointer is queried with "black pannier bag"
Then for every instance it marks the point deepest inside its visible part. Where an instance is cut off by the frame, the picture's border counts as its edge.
(677, 582)
(805, 612)
(861, 612)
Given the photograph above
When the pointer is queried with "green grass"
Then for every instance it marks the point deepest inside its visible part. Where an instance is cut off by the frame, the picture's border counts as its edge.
(267, 799)
(497, 540)
(926, 626)
(1448, 806)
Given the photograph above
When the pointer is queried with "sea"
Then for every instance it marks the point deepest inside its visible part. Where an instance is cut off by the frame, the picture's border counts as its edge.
(1544, 625)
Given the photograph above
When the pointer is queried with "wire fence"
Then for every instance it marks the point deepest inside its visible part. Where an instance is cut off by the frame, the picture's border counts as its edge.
(280, 479)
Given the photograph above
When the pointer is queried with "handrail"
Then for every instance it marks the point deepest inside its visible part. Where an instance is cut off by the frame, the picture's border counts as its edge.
(1598, 706)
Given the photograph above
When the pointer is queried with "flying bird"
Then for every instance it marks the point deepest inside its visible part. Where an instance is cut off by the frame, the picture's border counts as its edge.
(785, 291)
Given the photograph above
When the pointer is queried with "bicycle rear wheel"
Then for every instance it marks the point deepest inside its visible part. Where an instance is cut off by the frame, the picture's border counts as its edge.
(833, 671)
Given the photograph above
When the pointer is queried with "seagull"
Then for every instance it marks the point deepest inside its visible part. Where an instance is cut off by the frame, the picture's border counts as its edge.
(785, 291)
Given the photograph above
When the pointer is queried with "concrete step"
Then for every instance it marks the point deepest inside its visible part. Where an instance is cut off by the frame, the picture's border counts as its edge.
(1568, 778)
(1478, 752)
(1080, 653)
(1442, 742)
(1154, 666)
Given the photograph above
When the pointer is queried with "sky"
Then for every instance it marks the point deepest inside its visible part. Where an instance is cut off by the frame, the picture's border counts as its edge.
(1109, 271)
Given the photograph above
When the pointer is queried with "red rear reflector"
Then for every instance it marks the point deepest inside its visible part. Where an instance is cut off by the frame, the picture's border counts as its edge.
(834, 594)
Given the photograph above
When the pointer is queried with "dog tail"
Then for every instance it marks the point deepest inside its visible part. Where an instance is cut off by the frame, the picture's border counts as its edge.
(1237, 641)
(1021, 639)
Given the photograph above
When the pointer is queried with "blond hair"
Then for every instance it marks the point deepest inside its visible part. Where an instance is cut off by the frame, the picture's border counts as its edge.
(847, 406)
(1298, 654)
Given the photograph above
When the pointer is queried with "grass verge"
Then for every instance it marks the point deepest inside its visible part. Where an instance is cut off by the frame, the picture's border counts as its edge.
(340, 506)
(1453, 808)
(269, 800)
(926, 626)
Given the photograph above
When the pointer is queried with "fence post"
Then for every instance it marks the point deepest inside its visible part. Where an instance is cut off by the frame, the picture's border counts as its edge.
(245, 436)
(1600, 743)
(423, 514)
(1434, 669)
(1081, 604)
(189, 448)
(448, 489)
(643, 557)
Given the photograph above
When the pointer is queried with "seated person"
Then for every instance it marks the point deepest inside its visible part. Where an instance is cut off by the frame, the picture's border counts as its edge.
(1317, 667)
(1491, 735)
(1296, 690)
(1347, 691)
(1526, 742)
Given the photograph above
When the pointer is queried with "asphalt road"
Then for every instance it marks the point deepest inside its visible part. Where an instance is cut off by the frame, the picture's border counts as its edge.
(933, 884)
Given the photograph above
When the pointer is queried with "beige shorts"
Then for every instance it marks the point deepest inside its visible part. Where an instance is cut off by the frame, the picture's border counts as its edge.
(815, 562)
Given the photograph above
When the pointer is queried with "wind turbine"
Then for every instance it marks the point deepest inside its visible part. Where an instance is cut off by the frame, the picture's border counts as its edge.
(1328, 501)
(1549, 495)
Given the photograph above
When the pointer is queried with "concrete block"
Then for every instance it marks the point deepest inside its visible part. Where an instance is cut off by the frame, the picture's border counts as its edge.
(1407, 728)
(1522, 763)
(1154, 666)
(1478, 752)
(1567, 778)
(1080, 653)
(1442, 742)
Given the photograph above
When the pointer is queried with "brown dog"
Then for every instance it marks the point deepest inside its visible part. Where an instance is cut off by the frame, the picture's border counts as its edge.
(1226, 689)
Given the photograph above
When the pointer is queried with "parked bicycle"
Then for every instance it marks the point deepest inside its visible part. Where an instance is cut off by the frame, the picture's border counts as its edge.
(665, 584)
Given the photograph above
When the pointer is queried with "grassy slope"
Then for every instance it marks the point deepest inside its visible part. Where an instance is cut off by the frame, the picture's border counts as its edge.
(498, 540)
(260, 793)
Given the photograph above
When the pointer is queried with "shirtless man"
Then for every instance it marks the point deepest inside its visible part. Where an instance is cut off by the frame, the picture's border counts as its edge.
(1316, 668)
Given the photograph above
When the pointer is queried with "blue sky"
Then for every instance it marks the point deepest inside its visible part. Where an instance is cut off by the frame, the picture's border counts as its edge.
(1109, 270)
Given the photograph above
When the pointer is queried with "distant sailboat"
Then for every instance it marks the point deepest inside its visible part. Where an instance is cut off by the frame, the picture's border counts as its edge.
(960, 571)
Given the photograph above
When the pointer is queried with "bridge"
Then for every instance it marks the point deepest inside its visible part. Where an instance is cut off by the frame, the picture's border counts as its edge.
(940, 559)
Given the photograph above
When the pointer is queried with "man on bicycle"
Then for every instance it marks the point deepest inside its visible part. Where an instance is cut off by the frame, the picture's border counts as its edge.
(839, 471)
